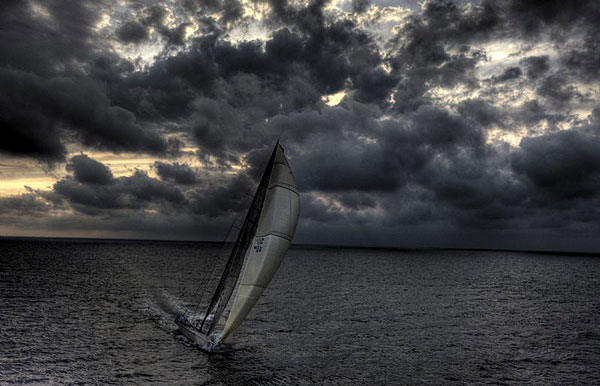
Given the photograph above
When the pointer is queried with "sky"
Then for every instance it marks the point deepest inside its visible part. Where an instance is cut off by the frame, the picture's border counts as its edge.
(407, 124)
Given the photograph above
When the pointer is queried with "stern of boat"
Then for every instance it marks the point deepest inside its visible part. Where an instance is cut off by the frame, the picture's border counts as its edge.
(204, 342)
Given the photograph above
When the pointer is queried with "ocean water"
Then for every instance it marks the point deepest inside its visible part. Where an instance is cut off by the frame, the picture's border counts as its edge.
(101, 312)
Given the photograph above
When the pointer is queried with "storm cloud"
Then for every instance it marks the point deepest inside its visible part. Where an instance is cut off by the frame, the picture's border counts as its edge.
(448, 118)
(177, 173)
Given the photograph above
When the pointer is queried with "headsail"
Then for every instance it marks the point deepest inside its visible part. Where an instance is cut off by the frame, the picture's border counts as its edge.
(260, 247)
(274, 233)
(231, 273)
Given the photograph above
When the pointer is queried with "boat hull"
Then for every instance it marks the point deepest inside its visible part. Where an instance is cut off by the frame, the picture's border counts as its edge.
(204, 343)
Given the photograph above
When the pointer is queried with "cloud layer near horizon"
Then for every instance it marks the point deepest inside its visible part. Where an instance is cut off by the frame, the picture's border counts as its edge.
(458, 124)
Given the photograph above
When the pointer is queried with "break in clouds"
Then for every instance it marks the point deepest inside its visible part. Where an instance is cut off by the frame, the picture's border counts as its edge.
(407, 124)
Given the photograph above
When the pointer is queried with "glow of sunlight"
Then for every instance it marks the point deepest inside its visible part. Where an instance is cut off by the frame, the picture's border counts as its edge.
(506, 53)
(366, 139)
(450, 95)
(57, 232)
(13, 186)
(141, 55)
(40, 11)
(104, 22)
(333, 99)
(252, 27)
(335, 205)
(513, 138)
(16, 173)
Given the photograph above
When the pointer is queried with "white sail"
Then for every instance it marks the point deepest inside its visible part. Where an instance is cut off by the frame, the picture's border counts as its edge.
(276, 227)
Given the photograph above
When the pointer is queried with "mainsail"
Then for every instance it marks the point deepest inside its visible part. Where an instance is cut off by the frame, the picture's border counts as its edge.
(257, 253)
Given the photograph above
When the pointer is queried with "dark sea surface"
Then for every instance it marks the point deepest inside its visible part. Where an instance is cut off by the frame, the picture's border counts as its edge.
(101, 312)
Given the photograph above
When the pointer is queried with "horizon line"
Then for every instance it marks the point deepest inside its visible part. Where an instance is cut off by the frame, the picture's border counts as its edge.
(348, 246)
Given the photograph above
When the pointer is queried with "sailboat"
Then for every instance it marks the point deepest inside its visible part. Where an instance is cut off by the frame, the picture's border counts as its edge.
(261, 244)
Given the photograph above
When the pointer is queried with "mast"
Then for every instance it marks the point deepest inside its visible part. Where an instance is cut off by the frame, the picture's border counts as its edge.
(233, 267)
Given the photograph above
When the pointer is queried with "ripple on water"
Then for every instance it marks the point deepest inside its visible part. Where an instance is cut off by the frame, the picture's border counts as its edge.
(103, 311)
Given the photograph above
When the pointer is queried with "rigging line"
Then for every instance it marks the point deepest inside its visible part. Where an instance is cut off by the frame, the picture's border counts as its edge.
(205, 279)
(208, 274)
(281, 133)
(244, 204)
(214, 263)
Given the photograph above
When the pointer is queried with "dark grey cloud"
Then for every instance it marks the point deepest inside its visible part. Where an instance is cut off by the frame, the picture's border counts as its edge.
(535, 17)
(136, 192)
(423, 58)
(437, 128)
(407, 148)
(23, 204)
(481, 111)
(175, 172)
(536, 65)
(374, 86)
(557, 90)
(360, 6)
(361, 169)
(49, 99)
(92, 190)
(583, 58)
(132, 32)
(89, 171)
(531, 113)
(223, 198)
(79, 106)
(565, 164)
(37, 37)
(359, 152)
(424, 44)
(29, 134)
(149, 19)
(508, 74)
